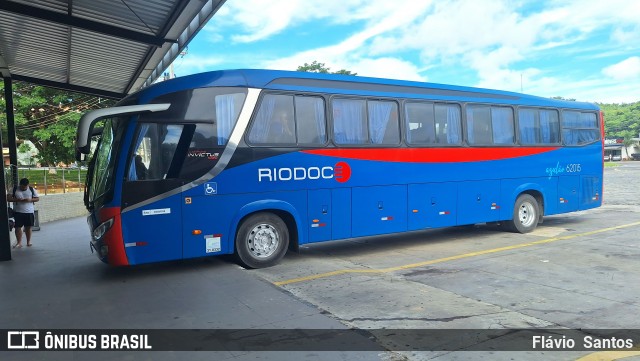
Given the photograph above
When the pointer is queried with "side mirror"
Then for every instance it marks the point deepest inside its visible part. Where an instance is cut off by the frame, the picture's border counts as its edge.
(80, 157)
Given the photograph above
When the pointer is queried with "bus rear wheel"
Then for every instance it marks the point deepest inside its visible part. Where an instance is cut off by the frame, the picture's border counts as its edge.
(262, 240)
(526, 212)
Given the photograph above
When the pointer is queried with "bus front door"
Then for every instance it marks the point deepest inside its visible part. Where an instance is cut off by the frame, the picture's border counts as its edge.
(152, 223)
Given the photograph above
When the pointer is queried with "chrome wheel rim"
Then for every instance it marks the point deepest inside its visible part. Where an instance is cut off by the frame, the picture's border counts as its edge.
(263, 240)
(527, 214)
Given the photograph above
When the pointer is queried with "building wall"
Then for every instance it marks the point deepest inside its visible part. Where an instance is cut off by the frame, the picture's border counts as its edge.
(633, 148)
(60, 206)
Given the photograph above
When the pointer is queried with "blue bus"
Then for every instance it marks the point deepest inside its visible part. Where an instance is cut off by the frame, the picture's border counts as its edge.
(256, 162)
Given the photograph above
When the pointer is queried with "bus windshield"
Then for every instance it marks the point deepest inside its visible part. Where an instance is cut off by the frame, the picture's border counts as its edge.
(104, 162)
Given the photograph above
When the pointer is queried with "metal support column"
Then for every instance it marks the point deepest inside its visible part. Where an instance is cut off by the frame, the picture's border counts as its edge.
(5, 239)
(11, 130)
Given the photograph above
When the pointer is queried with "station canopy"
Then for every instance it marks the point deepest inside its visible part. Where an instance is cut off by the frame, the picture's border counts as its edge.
(108, 48)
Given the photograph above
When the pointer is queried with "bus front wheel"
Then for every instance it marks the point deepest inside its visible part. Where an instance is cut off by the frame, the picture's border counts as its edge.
(262, 240)
(525, 214)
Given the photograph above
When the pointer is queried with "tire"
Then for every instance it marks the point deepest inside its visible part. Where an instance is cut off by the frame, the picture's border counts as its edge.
(262, 240)
(526, 213)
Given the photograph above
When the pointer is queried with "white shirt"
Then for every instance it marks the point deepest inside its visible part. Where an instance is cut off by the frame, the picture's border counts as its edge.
(24, 207)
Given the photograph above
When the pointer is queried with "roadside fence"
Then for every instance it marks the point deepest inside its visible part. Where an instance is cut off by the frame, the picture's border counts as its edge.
(49, 180)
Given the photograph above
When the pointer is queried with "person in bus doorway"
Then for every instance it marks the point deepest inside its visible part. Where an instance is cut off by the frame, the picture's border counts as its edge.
(141, 169)
(23, 197)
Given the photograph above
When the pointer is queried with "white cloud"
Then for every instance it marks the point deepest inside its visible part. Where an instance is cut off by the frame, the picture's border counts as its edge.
(259, 19)
(442, 30)
(335, 59)
(493, 36)
(195, 63)
(393, 68)
(457, 27)
(212, 35)
(627, 36)
(600, 90)
(615, 93)
(624, 70)
(352, 54)
(500, 41)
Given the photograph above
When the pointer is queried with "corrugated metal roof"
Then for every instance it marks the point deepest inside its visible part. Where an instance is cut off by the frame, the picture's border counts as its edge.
(106, 47)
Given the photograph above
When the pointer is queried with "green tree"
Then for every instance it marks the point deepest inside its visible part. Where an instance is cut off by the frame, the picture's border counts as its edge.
(25, 148)
(626, 141)
(316, 67)
(48, 118)
(621, 120)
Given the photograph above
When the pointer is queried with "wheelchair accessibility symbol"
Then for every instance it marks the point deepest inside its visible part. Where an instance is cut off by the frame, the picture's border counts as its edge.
(210, 189)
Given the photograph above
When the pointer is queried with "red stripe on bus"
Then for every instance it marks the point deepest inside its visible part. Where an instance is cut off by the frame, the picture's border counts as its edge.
(431, 155)
(113, 238)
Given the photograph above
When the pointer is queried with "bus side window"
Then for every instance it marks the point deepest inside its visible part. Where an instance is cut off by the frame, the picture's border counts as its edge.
(448, 123)
(311, 124)
(579, 128)
(349, 121)
(538, 126)
(383, 122)
(502, 125)
(527, 120)
(274, 122)
(489, 125)
(549, 126)
(478, 125)
(420, 123)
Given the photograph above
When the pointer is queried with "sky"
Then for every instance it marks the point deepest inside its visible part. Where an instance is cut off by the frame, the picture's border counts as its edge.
(588, 50)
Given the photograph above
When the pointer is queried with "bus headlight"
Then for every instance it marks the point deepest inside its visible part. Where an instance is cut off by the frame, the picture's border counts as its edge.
(102, 229)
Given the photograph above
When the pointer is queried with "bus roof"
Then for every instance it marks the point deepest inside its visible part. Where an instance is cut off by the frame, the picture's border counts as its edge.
(351, 85)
